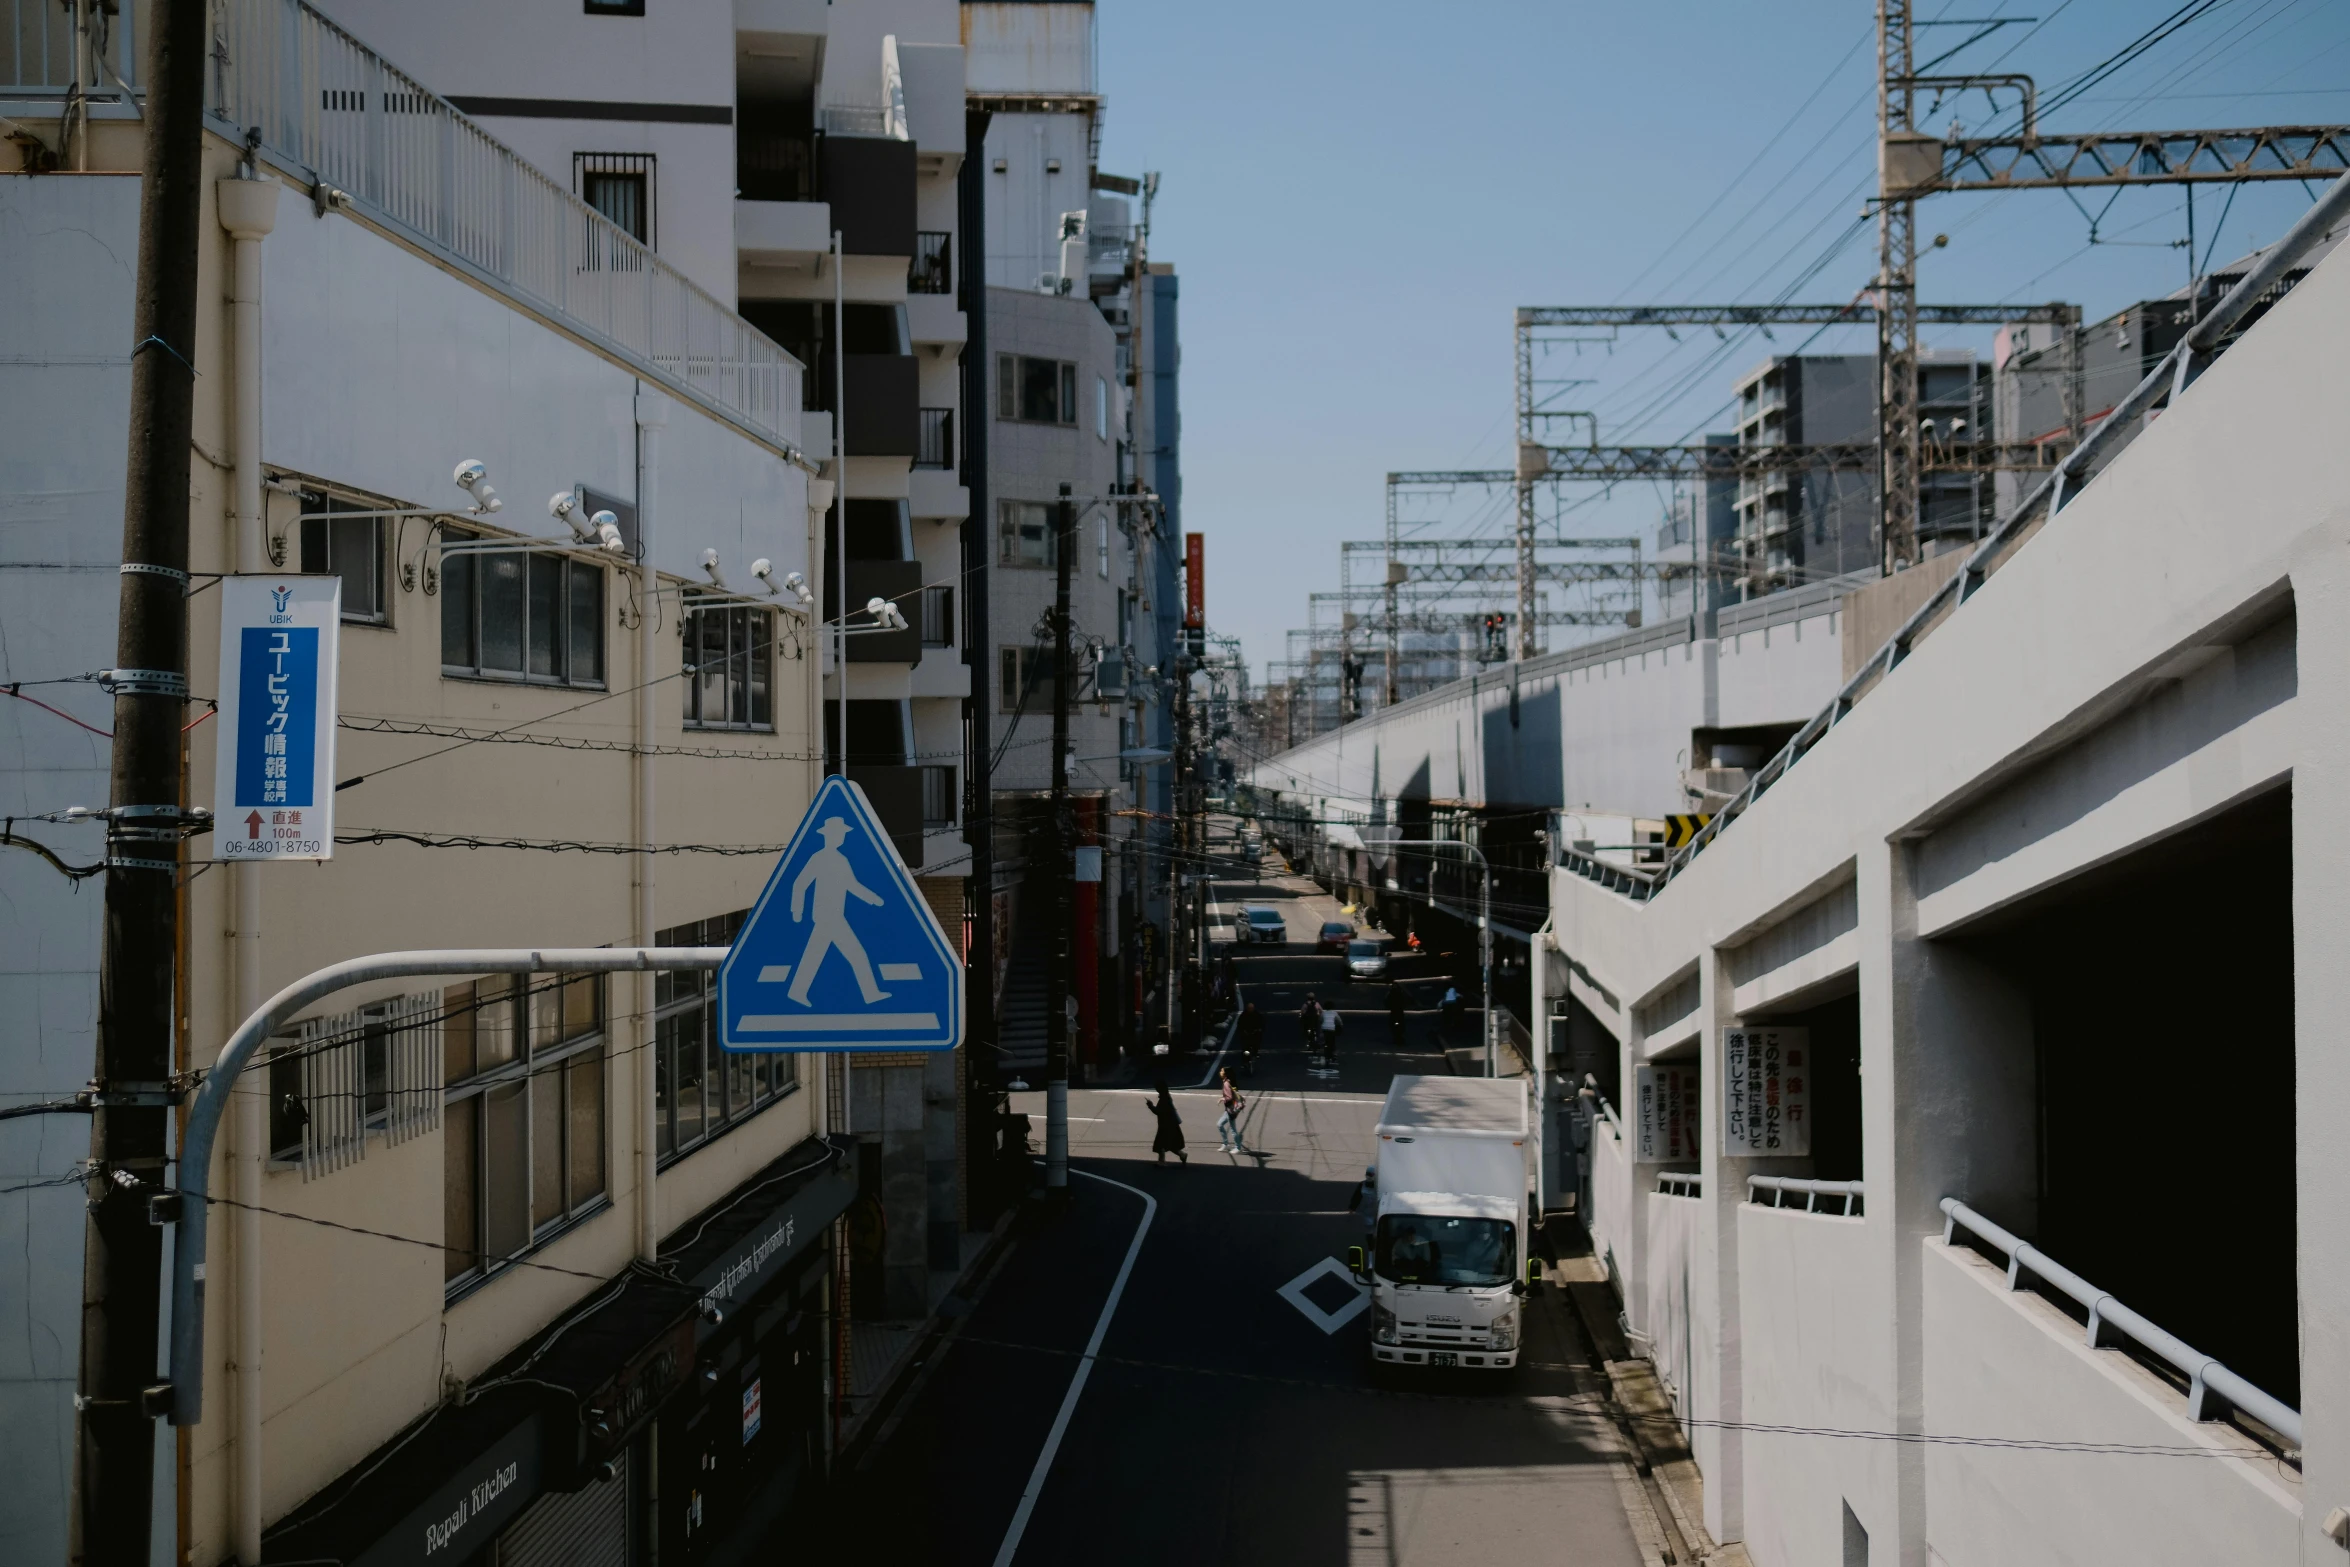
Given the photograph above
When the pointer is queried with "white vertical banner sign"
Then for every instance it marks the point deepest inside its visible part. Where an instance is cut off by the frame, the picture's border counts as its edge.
(1766, 1092)
(273, 785)
(1664, 1114)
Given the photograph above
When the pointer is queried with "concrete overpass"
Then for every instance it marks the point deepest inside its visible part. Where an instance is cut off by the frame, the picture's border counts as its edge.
(2049, 925)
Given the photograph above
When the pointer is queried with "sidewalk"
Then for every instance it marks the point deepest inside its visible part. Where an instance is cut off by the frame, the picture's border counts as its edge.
(880, 1352)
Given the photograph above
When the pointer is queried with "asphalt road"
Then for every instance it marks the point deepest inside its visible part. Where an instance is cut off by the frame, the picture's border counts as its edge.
(1220, 1422)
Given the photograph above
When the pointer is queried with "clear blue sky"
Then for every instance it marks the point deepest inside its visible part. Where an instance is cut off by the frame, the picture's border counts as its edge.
(1357, 196)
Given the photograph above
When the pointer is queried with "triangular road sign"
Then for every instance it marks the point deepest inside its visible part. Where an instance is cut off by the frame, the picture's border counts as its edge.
(840, 952)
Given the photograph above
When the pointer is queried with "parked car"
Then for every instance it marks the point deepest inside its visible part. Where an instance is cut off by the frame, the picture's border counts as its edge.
(1265, 924)
(1366, 959)
(1335, 936)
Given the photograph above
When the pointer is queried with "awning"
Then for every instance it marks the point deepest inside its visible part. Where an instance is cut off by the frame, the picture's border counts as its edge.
(738, 1245)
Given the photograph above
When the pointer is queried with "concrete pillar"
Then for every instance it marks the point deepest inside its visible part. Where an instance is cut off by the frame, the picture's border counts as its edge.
(1948, 1107)
(1717, 1369)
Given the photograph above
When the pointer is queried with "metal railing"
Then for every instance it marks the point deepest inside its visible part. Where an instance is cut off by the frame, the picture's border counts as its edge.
(1781, 1187)
(1685, 1183)
(2209, 1384)
(933, 270)
(37, 51)
(365, 135)
(2193, 353)
(935, 440)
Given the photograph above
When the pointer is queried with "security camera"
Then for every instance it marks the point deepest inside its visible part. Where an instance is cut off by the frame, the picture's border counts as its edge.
(796, 585)
(562, 504)
(470, 473)
(710, 569)
(764, 570)
(608, 533)
(885, 614)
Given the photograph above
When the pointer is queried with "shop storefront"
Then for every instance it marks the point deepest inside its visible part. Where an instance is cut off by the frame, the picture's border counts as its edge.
(668, 1410)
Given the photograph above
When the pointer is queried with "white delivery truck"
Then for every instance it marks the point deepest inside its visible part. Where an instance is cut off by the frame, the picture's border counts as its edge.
(1449, 1261)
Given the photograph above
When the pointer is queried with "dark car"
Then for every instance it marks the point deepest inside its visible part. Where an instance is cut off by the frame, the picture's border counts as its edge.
(1335, 936)
(1263, 924)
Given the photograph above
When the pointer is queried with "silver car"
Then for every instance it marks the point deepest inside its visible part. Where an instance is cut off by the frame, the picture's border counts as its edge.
(1265, 924)
(1366, 959)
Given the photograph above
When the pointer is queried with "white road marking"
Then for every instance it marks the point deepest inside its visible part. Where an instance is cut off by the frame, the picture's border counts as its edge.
(1328, 1321)
(1101, 1326)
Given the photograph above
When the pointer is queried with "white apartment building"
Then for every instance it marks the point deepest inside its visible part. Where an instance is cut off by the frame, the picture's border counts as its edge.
(447, 1276)
(1080, 335)
(737, 140)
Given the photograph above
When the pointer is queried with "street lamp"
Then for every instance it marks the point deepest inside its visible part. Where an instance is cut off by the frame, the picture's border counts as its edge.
(1484, 921)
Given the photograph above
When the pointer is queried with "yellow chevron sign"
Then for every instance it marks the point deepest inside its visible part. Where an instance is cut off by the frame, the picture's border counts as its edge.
(1681, 831)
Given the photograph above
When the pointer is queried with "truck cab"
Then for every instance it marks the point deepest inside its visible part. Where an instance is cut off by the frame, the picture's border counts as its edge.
(1449, 1257)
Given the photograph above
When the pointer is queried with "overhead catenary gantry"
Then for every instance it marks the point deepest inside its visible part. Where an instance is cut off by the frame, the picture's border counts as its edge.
(1540, 458)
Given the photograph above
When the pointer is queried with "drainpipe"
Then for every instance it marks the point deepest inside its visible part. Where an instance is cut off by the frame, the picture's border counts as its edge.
(248, 210)
(652, 416)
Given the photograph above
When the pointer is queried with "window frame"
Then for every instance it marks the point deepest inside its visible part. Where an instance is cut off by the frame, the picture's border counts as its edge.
(697, 610)
(613, 7)
(462, 575)
(1013, 383)
(318, 511)
(774, 1075)
(642, 167)
(529, 1063)
(938, 615)
(1007, 553)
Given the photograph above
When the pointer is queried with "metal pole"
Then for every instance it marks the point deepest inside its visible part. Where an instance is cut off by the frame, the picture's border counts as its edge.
(186, 1387)
(980, 1059)
(652, 413)
(1485, 955)
(122, 1252)
(840, 503)
(248, 210)
(1059, 868)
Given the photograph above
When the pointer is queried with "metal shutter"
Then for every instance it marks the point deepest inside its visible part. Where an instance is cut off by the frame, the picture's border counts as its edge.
(587, 1528)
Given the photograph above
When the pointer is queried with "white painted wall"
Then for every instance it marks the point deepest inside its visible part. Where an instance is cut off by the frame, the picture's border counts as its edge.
(70, 249)
(383, 371)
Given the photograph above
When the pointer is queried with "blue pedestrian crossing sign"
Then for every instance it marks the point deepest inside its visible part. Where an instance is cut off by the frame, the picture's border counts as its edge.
(840, 952)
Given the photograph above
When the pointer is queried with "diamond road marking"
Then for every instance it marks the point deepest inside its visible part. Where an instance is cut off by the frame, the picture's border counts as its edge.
(1328, 1321)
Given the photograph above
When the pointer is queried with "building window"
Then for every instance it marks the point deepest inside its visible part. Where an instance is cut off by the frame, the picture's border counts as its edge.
(938, 797)
(1026, 678)
(732, 650)
(933, 271)
(512, 615)
(699, 1090)
(938, 617)
(1101, 545)
(619, 185)
(339, 544)
(1038, 391)
(1028, 534)
(523, 1069)
(937, 439)
(339, 1079)
(1101, 407)
(615, 7)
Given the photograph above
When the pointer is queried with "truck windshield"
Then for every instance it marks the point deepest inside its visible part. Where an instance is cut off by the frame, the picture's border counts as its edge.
(1423, 1248)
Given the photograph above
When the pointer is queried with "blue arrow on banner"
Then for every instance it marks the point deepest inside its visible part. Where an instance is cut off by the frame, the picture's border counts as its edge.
(841, 952)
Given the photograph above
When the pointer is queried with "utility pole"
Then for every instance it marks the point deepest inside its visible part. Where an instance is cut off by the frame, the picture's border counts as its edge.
(980, 1059)
(1061, 868)
(1897, 290)
(1180, 799)
(122, 1248)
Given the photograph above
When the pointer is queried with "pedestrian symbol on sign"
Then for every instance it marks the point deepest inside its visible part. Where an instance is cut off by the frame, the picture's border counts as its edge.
(841, 952)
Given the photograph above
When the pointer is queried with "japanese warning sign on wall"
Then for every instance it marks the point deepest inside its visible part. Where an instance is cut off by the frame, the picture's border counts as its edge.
(273, 788)
(1664, 1113)
(1766, 1092)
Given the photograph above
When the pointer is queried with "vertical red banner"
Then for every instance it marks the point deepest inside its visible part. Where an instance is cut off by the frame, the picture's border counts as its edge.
(1195, 580)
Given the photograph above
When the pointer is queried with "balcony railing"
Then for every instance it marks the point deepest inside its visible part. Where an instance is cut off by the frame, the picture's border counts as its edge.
(1680, 1184)
(933, 271)
(1772, 1191)
(2210, 1385)
(936, 446)
(36, 51)
(330, 109)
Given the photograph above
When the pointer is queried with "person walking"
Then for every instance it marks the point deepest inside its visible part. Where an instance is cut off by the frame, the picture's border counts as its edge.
(1228, 1124)
(1168, 1139)
(1252, 1036)
(1333, 1022)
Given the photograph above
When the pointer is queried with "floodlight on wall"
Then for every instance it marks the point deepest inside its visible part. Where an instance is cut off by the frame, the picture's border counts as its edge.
(710, 570)
(608, 533)
(473, 477)
(886, 615)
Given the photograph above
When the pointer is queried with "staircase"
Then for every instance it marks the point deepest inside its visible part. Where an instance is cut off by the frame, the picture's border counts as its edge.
(1021, 1037)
